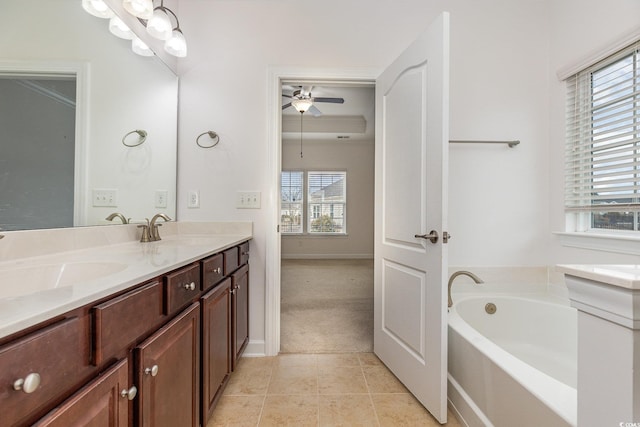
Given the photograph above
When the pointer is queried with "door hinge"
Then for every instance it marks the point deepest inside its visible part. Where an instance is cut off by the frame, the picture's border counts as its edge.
(445, 237)
(278, 228)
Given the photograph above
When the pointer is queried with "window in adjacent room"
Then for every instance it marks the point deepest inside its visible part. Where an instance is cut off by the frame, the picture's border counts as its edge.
(327, 198)
(325, 202)
(602, 169)
(292, 202)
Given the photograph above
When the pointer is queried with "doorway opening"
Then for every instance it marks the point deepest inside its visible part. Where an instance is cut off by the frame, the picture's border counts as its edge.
(321, 235)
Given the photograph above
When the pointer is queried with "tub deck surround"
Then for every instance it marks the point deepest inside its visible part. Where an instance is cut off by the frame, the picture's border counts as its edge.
(59, 270)
(608, 301)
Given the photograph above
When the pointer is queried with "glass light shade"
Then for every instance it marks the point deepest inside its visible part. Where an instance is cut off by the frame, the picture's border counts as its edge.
(140, 47)
(97, 8)
(159, 26)
(142, 9)
(176, 45)
(120, 29)
(302, 105)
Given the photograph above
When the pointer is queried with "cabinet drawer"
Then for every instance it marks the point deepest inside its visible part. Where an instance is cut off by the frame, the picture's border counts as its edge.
(55, 355)
(230, 260)
(181, 287)
(212, 271)
(244, 253)
(99, 403)
(120, 322)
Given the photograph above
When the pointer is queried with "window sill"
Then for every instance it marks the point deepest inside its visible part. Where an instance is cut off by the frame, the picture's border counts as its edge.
(315, 235)
(607, 242)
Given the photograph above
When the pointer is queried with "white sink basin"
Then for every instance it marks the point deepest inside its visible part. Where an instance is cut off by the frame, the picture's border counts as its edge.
(26, 280)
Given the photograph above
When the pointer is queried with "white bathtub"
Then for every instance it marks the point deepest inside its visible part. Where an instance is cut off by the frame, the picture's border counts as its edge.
(516, 367)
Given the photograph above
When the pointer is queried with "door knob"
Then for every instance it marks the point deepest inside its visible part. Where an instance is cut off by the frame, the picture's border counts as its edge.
(432, 236)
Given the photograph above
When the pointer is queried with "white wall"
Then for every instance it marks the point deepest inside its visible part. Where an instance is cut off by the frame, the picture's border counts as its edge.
(357, 159)
(578, 29)
(499, 84)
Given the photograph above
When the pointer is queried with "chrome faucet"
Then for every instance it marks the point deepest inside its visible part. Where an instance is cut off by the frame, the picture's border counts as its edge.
(154, 234)
(461, 273)
(117, 215)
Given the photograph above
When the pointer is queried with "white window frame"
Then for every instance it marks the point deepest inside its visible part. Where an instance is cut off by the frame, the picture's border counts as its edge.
(582, 153)
(283, 229)
(329, 204)
(312, 211)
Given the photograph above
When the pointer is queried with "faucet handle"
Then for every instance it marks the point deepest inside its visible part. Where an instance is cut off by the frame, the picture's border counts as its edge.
(145, 233)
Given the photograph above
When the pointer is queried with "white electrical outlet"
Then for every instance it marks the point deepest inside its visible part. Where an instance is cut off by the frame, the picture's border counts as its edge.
(248, 200)
(161, 198)
(194, 199)
(104, 197)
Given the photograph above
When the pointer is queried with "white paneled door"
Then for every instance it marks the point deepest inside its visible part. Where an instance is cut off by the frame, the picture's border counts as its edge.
(412, 122)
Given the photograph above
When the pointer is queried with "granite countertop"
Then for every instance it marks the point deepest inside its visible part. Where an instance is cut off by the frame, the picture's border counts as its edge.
(34, 289)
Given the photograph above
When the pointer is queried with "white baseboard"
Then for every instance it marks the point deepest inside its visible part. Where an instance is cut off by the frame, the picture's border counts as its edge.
(326, 256)
(255, 349)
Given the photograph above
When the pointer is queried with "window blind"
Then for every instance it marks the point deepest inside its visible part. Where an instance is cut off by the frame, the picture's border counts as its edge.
(602, 161)
(327, 202)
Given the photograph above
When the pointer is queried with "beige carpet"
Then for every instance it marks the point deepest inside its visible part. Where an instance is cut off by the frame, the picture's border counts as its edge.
(326, 306)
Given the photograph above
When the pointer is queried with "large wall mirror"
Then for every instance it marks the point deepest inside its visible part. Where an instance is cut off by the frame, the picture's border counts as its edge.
(71, 91)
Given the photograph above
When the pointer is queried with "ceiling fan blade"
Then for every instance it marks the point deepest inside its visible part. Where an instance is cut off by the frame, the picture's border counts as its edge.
(331, 100)
(313, 110)
(287, 96)
(285, 106)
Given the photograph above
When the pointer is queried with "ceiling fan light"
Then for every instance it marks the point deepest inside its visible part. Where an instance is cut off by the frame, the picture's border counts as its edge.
(176, 45)
(140, 47)
(97, 8)
(142, 9)
(119, 29)
(159, 26)
(302, 105)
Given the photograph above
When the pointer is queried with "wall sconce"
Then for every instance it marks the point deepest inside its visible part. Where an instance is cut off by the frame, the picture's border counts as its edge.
(157, 22)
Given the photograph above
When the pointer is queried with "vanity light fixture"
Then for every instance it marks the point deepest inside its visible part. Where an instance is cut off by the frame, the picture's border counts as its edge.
(119, 29)
(157, 22)
(97, 8)
(142, 9)
(159, 26)
(140, 47)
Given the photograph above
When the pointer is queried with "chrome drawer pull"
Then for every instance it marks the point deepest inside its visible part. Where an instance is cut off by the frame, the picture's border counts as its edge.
(129, 394)
(29, 384)
(190, 286)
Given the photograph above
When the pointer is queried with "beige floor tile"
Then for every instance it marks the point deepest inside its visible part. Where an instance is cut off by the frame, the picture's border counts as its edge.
(401, 410)
(296, 359)
(338, 359)
(369, 359)
(341, 379)
(290, 411)
(352, 410)
(237, 411)
(381, 380)
(248, 382)
(294, 380)
(252, 364)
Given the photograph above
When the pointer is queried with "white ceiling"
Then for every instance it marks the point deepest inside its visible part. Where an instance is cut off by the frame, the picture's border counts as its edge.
(338, 122)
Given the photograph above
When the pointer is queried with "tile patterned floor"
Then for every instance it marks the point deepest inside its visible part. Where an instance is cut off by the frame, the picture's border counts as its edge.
(342, 389)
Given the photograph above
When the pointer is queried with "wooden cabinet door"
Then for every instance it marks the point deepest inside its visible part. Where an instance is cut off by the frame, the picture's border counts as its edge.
(216, 344)
(168, 371)
(100, 403)
(239, 312)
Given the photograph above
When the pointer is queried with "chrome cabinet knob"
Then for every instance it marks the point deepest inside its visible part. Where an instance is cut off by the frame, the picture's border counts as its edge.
(28, 384)
(218, 270)
(129, 394)
(190, 286)
(153, 371)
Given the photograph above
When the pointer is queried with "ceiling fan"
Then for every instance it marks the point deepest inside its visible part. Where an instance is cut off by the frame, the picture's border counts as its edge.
(303, 101)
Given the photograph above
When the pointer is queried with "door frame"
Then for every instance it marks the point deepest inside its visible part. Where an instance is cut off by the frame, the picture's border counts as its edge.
(278, 76)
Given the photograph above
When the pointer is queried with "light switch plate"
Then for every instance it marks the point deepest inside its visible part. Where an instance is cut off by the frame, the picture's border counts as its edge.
(104, 197)
(248, 200)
